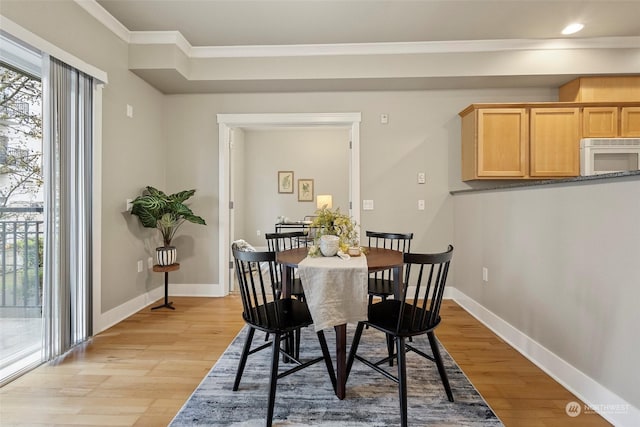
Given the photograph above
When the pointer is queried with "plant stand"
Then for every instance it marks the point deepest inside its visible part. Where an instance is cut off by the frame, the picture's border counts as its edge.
(166, 269)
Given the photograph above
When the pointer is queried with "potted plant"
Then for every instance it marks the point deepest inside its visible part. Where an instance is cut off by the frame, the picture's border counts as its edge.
(333, 223)
(166, 213)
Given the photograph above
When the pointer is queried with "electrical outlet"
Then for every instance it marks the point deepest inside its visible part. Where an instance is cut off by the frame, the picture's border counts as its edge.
(257, 232)
(485, 274)
(420, 205)
(422, 178)
(128, 204)
(367, 205)
(140, 267)
(149, 263)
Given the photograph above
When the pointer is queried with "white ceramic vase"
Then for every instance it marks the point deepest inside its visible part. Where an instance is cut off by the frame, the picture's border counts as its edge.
(329, 245)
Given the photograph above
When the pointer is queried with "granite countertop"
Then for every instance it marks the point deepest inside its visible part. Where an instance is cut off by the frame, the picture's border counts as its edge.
(505, 185)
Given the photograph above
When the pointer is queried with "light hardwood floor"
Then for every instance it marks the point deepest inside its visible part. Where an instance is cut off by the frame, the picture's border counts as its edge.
(142, 370)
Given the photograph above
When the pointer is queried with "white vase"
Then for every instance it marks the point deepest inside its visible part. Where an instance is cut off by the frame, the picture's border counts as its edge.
(329, 245)
(166, 255)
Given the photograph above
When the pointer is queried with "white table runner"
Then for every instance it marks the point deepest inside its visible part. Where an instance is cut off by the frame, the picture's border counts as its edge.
(335, 289)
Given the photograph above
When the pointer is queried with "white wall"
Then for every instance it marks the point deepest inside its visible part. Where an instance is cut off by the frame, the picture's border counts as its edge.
(563, 270)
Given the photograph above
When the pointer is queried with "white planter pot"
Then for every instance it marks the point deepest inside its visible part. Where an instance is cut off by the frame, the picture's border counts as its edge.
(166, 255)
(329, 245)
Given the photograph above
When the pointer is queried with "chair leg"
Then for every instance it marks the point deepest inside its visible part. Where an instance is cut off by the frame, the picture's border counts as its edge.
(354, 347)
(402, 380)
(390, 349)
(436, 355)
(275, 358)
(243, 358)
(327, 359)
(296, 343)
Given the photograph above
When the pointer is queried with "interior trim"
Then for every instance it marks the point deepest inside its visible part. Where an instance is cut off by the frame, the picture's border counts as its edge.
(227, 122)
(391, 48)
(584, 387)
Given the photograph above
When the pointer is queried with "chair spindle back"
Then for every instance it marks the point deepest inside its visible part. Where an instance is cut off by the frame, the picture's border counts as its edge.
(428, 273)
(256, 273)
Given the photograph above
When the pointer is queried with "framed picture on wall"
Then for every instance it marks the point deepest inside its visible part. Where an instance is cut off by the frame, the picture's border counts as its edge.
(305, 190)
(285, 181)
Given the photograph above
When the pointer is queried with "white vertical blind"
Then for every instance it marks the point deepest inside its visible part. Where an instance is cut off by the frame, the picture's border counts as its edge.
(68, 180)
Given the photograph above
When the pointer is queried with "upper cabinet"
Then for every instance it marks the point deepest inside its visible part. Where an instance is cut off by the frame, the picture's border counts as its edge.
(542, 140)
(495, 143)
(601, 89)
(519, 142)
(611, 122)
(630, 122)
(554, 142)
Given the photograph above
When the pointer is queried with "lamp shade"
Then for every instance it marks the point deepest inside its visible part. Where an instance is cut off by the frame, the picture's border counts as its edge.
(324, 201)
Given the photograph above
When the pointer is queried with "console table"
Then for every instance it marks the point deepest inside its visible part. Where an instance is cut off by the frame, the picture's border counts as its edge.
(166, 269)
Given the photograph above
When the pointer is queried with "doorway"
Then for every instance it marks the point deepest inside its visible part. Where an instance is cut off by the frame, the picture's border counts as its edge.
(229, 122)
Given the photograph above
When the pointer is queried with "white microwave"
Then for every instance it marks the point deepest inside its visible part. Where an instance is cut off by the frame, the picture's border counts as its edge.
(608, 155)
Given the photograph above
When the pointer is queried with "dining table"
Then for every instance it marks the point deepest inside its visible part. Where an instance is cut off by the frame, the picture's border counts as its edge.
(377, 259)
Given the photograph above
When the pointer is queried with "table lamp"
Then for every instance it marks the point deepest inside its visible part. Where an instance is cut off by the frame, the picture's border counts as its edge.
(324, 201)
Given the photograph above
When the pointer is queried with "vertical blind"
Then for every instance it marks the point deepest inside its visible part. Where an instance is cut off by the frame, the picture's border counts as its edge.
(68, 182)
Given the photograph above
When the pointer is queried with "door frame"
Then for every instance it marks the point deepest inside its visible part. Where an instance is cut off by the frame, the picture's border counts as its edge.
(227, 122)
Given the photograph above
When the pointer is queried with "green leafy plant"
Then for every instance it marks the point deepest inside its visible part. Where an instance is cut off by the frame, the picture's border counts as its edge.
(335, 223)
(164, 212)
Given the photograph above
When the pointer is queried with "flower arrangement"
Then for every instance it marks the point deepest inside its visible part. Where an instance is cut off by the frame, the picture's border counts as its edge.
(333, 222)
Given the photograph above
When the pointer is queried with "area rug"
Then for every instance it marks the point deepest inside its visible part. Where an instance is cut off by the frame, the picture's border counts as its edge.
(306, 398)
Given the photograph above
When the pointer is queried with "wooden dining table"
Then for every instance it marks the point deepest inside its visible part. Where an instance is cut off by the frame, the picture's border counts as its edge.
(377, 259)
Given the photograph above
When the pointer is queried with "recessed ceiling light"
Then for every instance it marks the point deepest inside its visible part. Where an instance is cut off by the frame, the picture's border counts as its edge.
(572, 28)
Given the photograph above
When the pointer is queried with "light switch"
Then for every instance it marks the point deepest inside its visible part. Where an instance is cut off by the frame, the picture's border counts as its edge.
(129, 111)
(128, 204)
(384, 119)
(367, 205)
(420, 205)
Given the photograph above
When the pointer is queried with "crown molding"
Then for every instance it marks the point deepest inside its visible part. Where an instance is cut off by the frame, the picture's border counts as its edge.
(105, 18)
(393, 48)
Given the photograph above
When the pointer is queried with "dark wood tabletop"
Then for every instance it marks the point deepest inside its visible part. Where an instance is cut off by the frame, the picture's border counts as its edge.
(377, 258)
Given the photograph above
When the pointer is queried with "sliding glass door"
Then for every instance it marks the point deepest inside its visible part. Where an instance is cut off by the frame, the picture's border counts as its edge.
(21, 218)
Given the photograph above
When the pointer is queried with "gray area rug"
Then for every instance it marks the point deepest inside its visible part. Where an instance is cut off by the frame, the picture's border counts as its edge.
(306, 398)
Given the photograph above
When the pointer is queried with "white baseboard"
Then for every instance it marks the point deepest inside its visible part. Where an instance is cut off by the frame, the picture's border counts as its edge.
(598, 398)
(106, 320)
(195, 290)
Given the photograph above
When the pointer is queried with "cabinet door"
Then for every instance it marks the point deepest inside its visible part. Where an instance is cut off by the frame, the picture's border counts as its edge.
(502, 142)
(555, 142)
(630, 122)
(599, 122)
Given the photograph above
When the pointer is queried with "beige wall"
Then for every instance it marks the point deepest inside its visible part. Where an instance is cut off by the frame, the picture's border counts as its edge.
(318, 154)
(133, 150)
(423, 134)
(563, 269)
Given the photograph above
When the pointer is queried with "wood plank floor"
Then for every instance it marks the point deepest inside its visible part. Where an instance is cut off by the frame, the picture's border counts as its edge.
(142, 370)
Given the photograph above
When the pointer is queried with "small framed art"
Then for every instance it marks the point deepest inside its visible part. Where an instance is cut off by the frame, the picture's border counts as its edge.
(285, 181)
(305, 190)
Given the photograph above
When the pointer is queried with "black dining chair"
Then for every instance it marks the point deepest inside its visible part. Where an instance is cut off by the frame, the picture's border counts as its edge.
(381, 282)
(416, 312)
(277, 242)
(279, 317)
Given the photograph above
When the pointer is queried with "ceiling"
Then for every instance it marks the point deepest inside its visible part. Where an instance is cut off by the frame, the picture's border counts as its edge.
(270, 23)
(277, 22)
